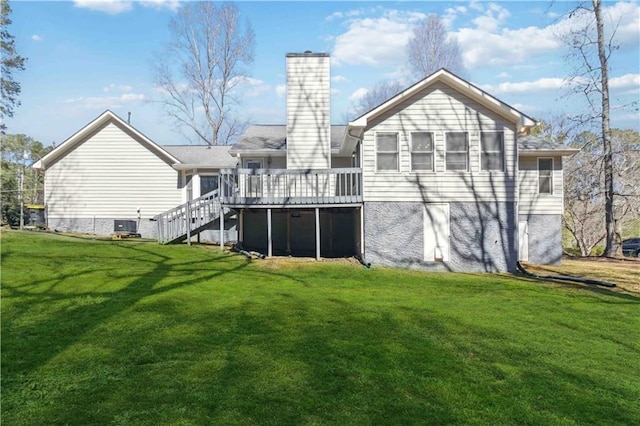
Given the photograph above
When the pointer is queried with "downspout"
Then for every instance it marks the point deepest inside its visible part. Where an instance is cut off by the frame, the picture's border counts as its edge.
(361, 257)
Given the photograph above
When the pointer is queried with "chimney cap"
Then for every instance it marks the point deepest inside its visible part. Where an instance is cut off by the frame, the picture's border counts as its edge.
(307, 54)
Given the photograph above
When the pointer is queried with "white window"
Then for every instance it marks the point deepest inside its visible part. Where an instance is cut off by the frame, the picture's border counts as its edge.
(545, 175)
(492, 151)
(457, 151)
(387, 151)
(422, 151)
(208, 184)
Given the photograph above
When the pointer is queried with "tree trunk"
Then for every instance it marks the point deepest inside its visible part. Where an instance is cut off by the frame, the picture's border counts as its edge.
(611, 246)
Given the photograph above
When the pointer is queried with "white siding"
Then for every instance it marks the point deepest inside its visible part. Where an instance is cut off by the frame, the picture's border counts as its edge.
(531, 202)
(439, 109)
(308, 125)
(110, 175)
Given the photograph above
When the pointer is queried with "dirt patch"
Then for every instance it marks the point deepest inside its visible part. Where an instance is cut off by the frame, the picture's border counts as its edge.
(624, 272)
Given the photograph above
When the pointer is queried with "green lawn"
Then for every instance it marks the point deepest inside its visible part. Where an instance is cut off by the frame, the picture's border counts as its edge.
(101, 332)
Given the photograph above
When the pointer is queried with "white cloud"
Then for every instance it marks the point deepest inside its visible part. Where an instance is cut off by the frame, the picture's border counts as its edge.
(36, 37)
(335, 91)
(112, 7)
(376, 41)
(340, 79)
(250, 87)
(358, 94)
(348, 14)
(629, 82)
(172, 5)
(552, 83)
(490, 42)
(117, 88)
(281, 90)
(106, 102)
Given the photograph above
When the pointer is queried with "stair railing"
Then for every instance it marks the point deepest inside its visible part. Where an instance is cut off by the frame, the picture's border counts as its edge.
(183, 221)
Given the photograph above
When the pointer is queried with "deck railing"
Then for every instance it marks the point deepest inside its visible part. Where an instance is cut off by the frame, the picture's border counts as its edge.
(187, 219)
(291, 187)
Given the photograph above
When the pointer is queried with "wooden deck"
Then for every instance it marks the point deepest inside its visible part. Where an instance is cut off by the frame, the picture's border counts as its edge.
(291, 188)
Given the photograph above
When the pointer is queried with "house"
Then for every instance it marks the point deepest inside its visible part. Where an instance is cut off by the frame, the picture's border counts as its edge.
(442, 176)
(109, 174)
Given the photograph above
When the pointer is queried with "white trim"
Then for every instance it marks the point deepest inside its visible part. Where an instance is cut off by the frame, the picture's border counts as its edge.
(92, 127)
(458, 84)
(563, 152)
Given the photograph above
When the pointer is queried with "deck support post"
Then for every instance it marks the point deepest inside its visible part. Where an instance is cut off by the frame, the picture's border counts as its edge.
(269, 241)
(187, 220)
(241, 230)
(361, 230)
(289, 232)
(317, 233)
(331, 232)
(221, 228)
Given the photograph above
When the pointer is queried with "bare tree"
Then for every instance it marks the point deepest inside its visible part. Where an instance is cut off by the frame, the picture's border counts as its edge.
(375, 96)
(202, 67)
(431, 48)
(585, 187)
(591, 53)
(11, 61)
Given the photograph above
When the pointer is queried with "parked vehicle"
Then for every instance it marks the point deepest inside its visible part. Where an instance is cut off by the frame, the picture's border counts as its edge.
(631, 247)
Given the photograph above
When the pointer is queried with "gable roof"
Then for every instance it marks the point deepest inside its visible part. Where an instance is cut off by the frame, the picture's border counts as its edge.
(457, 83)
(201, 156)
(265, 139)
(100, 122)
(538, 145)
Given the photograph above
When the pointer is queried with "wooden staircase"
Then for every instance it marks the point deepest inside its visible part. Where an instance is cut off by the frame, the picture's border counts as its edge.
(189, 219)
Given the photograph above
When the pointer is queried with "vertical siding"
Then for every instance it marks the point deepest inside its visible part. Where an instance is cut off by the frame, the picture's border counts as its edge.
(110, 175)
(530, 201)
(439, 109)
(308, 120)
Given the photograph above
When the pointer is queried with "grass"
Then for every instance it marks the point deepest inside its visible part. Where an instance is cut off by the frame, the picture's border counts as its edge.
(100, 332)
(624, 272)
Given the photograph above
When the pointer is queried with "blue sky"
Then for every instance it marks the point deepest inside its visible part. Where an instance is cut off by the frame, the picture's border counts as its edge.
(87, 56)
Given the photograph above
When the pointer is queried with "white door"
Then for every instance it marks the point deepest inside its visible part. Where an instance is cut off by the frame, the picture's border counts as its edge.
(523, 241)
(436, 232)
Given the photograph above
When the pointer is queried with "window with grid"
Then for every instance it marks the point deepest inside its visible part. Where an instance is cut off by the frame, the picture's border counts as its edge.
(457, 151)
(492, 151)
(208, 184)
(387, 151)
(545, 175)
(422, 151)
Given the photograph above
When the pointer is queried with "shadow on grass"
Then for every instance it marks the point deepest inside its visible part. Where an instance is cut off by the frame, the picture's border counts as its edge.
(291, 359)
(206, 339)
